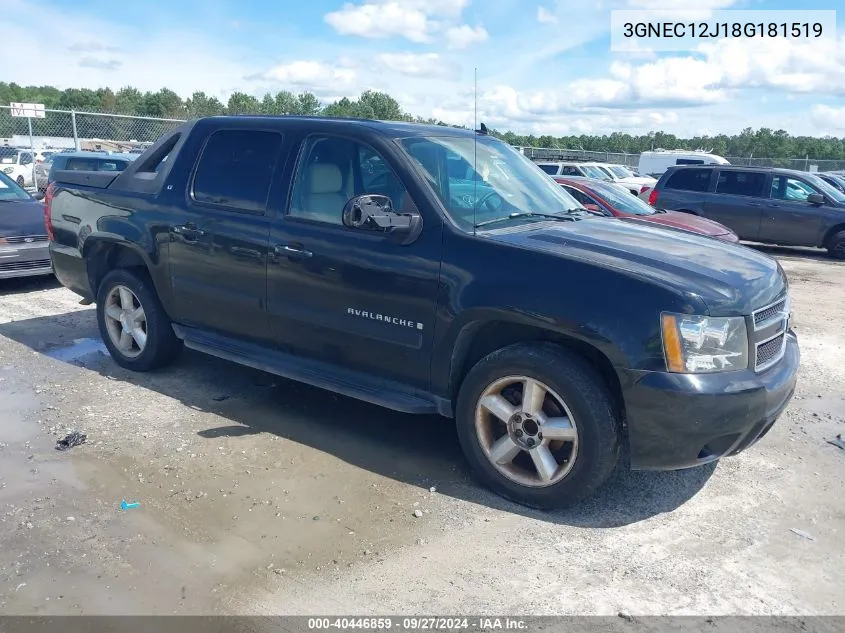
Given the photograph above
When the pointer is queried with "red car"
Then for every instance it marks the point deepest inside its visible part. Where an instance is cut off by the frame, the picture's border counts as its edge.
(611, 200)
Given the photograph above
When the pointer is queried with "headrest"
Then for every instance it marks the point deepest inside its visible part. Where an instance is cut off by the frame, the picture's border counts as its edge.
(324, 178)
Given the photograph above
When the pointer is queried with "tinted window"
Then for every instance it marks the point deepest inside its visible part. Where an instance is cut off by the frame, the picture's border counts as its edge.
(26, 159)
(332, 170)
(689, 179)
(236, 168)
(578, 195)
(741, 183)
(571, 171)
(689, 161)
(550, 169)
(81, 164)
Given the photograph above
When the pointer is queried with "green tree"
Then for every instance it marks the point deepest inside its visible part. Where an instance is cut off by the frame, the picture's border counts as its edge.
(200, 104)
(242, 103)
(307, 104)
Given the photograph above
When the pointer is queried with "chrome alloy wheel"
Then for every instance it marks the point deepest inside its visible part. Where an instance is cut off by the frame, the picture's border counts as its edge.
(526, 431)
(126, 321)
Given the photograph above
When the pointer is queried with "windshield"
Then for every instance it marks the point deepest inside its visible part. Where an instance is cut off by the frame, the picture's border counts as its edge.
(503, 182)
(826, 188)
(620, 171)
(621, 200)
(9, 189)
(593, 171)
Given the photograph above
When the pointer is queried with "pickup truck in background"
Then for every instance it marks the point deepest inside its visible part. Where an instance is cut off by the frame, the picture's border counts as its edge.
(429, 269)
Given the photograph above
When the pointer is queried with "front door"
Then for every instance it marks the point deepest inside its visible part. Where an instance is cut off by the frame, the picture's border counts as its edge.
(219, 242)
(787, 216)
(352, 298)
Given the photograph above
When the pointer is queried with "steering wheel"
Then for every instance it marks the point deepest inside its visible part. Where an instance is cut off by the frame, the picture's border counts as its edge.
(487, 202)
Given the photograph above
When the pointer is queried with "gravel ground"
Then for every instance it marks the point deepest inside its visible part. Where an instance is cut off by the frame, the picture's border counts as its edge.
(262, 496)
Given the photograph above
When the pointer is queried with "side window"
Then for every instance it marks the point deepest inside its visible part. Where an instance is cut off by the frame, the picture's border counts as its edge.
(236, 168)
(26, 159)
(569, 170)
(81, 164)
(689, 161)
(689, 180)
(578, 195)
(785, 188)
(331, 170)
(111, 165)
(549, 169)
(741, 183)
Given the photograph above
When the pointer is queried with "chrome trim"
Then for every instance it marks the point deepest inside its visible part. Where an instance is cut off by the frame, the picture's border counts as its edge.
(776, 357)
(787, 304)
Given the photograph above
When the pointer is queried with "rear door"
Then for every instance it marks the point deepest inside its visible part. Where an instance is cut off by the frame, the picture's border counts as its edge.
(737, 201)
(685, 190)
(787, 216)
(219, 242)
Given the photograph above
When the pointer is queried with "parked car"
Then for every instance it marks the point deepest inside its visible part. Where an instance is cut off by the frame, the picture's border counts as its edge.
(88, 161)
(24, 250)
(551, 335)
(654, 163)
(835, 180)
(588, 170)
(621, 175)
(18, 165)
(775, 206)
(597, 195)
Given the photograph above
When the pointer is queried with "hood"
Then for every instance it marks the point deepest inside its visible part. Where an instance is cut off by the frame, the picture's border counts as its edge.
(688, 221)
(729, 278)
(21, 217)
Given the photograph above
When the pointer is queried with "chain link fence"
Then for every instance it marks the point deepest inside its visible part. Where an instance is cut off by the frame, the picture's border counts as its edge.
(632, 160)
(25, 149)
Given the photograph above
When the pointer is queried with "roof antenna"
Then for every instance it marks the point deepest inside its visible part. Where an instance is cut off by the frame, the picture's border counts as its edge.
(475, 150)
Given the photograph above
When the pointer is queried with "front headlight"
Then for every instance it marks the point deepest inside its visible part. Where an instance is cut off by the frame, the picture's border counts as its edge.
(694, 344)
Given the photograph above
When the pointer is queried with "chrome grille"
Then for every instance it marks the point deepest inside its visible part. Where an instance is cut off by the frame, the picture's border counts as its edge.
(769, 337)
(24, 239)
(769, 313)
(32, 264)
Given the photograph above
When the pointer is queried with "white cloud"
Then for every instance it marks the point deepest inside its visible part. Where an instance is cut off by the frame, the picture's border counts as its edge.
(381, 20)
(460, 37)
(544, 16)
(827, 119)
(417, 65)
(309, 74)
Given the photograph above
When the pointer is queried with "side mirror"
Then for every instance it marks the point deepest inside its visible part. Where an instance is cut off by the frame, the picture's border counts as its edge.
(38, 195)
(374, 212)
(593, 207)
(816, 199)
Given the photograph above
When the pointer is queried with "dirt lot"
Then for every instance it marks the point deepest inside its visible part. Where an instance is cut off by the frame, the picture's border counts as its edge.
(262, 496)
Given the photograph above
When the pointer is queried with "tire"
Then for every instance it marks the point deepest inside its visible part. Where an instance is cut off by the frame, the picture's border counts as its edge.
(160, 345)
(836, 245)
(587, 461)
(20, 181)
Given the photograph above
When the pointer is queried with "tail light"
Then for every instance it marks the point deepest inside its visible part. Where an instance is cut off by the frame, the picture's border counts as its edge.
(652, 197)
(48, 211)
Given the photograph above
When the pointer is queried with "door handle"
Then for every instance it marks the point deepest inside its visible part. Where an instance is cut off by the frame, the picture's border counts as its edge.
(188, 231)
(292, 250)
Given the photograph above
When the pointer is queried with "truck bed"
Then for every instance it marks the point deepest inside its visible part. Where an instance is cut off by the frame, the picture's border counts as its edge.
(96, 179)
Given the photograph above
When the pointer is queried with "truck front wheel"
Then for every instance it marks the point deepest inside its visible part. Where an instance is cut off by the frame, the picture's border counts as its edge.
(537, 425)
(132, 322)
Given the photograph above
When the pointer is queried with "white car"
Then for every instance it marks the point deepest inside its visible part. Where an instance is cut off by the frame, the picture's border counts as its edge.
(19, 165)
(621, 175)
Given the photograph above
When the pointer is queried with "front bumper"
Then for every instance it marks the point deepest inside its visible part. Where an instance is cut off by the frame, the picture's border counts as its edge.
(684, 420)
(25, 260)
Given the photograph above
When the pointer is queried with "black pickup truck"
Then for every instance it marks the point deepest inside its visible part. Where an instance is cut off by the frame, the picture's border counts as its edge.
(433, 270)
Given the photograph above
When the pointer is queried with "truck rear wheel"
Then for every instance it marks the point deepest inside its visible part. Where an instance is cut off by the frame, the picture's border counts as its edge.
(132, 322)
(537, 425)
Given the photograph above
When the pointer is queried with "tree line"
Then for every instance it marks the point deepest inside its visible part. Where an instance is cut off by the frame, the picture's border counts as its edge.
(762, 143)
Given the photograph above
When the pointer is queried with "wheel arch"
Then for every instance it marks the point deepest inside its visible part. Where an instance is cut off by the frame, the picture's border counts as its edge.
(837, 228)
(479, 338)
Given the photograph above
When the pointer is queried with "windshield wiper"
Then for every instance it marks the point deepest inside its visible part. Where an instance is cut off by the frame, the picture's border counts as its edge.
(526, 214)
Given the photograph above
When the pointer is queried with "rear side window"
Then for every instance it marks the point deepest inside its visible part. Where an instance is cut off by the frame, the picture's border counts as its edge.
(236, 168)
(549, 169)
(689, 180)
(741, 183)
(571, 171)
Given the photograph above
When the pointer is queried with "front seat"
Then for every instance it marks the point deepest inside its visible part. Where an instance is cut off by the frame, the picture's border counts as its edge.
(324, 194)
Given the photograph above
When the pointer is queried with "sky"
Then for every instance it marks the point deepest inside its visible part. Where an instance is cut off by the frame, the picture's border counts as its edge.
(543, 66)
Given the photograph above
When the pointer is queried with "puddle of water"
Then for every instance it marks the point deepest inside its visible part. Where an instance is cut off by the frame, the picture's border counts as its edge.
(78, 349)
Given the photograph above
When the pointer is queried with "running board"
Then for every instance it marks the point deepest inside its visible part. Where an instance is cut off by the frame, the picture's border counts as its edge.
(385, 393)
